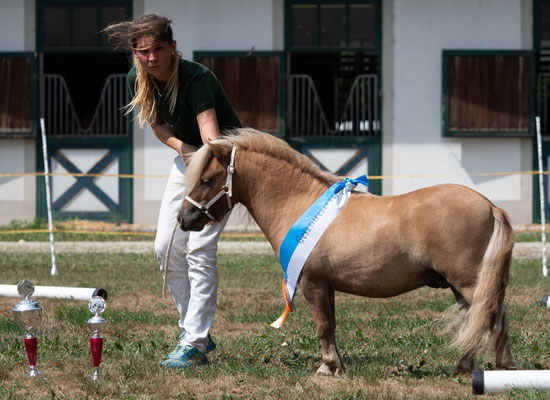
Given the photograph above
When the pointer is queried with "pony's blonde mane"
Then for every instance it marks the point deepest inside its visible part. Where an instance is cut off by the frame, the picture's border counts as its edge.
(249, 139)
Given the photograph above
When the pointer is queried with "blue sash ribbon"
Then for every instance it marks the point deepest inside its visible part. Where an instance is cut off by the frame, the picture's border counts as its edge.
(306, 223)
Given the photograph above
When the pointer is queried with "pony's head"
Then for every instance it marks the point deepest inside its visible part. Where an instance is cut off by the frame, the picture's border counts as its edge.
(208, 194)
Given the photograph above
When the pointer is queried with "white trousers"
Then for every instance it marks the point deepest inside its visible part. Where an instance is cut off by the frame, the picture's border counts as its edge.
(192, 277)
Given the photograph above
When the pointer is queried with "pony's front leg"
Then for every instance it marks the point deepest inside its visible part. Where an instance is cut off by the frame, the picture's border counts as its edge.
(321, 303)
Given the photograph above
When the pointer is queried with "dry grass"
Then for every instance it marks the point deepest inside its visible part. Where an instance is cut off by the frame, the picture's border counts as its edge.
(392, 347)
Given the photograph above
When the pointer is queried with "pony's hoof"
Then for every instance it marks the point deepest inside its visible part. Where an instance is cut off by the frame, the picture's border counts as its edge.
(510, 365)
(464, 368)
(461, 371)
(326, 370)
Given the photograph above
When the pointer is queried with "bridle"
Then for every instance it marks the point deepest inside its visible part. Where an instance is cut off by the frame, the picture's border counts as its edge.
(227, 190)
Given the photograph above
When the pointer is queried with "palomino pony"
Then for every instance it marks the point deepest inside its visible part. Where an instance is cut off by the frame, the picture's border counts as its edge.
(445, 236)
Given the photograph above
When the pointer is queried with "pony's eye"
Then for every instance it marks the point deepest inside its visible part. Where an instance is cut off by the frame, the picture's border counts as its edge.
(205, 181)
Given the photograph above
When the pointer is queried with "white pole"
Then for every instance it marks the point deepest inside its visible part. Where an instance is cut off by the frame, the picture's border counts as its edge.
(484, 382)
(53, 271)
(542, 202)
(56, 292)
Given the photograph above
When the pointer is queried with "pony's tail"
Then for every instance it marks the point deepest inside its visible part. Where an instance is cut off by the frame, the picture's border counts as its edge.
(482, 319)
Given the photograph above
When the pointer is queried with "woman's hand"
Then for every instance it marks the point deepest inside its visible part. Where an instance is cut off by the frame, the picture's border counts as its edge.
(186, 149)
(167, 136)
(186, 152)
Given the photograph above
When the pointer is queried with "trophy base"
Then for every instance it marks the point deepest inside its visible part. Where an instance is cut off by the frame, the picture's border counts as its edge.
(95, 375)
(34, 373)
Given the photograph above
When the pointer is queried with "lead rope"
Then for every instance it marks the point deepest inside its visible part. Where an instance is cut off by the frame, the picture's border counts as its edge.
(165, 269)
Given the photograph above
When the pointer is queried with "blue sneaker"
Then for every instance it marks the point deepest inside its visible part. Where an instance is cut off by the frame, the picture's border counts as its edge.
(209, 347)
(185, 357)
(211, 344)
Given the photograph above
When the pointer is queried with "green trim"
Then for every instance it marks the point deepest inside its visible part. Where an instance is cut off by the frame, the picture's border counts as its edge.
(536, 24)
(41, 4)
(124, 144)
(34, 95)
(124, 147)
(537, 15)
(373, 143)
(40, 203)
(83, 50)
(536, 211)
(126, 202)
(86, 182)
(333, 50)
(336, 2)
(446, 132)
(372, 146)
(197, 55)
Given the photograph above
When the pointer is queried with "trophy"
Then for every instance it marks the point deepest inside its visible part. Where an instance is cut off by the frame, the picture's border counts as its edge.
(27, 314)
(96, 306)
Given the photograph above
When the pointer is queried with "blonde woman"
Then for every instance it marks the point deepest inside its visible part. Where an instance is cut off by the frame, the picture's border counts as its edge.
(186, 106)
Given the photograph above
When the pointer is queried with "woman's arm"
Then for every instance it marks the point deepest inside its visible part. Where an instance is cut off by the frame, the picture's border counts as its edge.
(167, 136)
(208, 125)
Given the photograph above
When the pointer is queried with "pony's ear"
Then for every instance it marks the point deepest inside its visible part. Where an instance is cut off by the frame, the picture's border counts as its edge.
(218, 151)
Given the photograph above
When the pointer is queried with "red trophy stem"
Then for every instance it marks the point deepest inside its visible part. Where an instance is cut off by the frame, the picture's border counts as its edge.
(96, 344)
(31, 347)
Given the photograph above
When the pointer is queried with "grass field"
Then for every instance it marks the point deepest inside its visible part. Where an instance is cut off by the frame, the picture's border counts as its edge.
(392, 347)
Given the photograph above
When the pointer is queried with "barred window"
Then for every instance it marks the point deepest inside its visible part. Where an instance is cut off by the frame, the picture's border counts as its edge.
(332, 24)
(77, 24)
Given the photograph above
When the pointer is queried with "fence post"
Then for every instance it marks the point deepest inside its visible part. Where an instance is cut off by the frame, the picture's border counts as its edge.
(53, 271)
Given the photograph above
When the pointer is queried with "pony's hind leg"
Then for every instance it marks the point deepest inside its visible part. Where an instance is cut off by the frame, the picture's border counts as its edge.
(500, 337)
(467, 361)
(321, 303)
(503, 355)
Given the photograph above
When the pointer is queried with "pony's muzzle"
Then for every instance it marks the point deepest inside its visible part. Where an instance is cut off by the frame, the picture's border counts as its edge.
(191, 220)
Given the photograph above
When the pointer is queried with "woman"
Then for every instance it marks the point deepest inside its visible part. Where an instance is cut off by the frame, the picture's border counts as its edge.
(186, 106)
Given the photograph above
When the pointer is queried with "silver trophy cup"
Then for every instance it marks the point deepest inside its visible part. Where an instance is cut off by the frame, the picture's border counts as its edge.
(27, 314)
(96, 324)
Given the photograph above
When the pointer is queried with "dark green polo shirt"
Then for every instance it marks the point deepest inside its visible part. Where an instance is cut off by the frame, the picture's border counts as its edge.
(198, 91)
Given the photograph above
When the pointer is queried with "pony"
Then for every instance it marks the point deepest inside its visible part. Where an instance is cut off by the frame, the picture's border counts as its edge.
(444, 236)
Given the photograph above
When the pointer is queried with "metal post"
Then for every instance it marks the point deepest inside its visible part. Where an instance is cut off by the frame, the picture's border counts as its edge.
(53, 270)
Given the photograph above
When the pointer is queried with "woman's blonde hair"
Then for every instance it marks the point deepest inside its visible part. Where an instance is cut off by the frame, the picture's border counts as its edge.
(126, 34)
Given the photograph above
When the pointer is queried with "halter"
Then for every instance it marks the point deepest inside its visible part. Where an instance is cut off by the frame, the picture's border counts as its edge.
(227, 190)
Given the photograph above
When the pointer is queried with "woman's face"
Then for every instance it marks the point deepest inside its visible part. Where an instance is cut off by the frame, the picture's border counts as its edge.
(155, 57)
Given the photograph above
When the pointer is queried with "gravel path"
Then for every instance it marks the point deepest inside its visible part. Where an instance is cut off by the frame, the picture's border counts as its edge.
(527, 250)
(521, 250)
(225, 247)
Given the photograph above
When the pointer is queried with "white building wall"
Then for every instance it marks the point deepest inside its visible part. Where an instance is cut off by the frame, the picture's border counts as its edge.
(12, 21)
(236, 25)
(217, 25)
(17, 194)
(421, 29)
